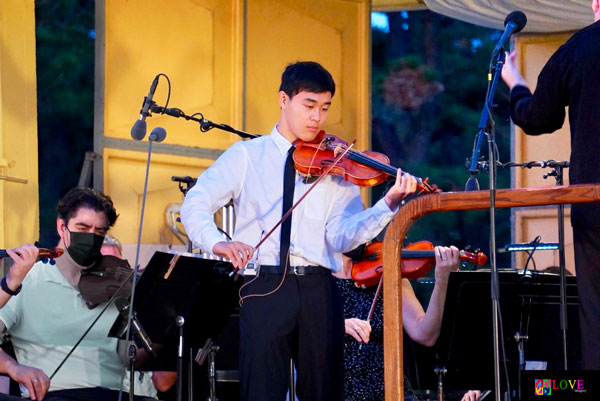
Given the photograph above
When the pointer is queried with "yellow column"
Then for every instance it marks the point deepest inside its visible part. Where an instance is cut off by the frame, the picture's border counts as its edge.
(19, 201)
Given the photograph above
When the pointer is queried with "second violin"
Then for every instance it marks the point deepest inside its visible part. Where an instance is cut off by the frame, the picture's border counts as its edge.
(417, 259)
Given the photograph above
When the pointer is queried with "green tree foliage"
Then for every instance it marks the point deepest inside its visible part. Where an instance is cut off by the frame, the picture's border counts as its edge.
(429, 85)
(65, 91)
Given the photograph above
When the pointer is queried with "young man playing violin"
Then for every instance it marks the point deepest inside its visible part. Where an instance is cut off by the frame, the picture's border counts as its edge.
(49, 315)
(291, 307)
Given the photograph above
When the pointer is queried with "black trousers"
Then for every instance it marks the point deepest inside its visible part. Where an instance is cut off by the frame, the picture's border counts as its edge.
(90, 394)
(303, 320)
(587, 265)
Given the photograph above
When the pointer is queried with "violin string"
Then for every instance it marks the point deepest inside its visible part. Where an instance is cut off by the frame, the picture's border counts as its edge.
(312, 162)
(360, 157)
(372, 162)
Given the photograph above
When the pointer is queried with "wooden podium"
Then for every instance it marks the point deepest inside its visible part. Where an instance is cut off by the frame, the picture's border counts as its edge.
(405, 218)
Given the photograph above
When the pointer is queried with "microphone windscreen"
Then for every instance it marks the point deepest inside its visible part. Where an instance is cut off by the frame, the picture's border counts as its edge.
(472, 184)
(158, 134)
(518, 18)
(138, 131)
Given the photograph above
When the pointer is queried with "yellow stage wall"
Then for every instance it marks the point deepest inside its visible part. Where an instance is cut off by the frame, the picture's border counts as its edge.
(224, 59)
(19, 201)
(533, 53)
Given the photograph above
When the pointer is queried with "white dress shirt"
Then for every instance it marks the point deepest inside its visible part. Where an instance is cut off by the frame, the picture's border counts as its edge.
(329, 221)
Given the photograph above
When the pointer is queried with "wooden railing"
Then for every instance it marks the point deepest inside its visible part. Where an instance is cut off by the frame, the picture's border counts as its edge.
(405, 218)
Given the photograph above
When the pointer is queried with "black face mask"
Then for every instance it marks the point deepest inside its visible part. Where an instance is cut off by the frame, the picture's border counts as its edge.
(85, 248)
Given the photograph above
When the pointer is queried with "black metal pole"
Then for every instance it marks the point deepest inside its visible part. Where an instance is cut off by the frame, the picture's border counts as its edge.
(179, 322)
(564, 325)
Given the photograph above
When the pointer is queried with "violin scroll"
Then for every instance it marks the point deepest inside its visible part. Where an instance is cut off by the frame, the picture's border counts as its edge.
(48, 255)
(44, 253)
(477, 258)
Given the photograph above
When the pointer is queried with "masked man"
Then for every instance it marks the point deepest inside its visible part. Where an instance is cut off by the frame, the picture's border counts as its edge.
(49, 315)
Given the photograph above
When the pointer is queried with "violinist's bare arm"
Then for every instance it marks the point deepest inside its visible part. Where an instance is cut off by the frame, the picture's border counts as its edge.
(163, 380)
(359, 329)
(24, 258)
(510, 73)
(238, 252)
(472, 395)
(35, 380)
(404, 186)
(424, 327)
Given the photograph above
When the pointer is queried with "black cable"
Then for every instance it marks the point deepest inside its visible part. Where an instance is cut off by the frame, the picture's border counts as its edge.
(534, 244)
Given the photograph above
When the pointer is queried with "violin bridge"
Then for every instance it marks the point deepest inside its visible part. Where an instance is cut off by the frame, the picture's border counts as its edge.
(337, 150)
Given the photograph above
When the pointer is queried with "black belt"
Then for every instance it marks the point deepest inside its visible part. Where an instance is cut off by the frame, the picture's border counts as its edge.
(297, 270)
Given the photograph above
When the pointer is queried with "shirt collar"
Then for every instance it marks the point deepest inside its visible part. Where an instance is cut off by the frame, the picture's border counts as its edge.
(280, 141)
(67, 262)
(53, 275)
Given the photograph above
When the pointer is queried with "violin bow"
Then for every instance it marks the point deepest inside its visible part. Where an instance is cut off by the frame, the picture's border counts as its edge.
(370, 315)
(372, 309)
(289, 212)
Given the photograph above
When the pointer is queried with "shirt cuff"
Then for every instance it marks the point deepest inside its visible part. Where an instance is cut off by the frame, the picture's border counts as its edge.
(212, 239)
(518, 91)
(382, 207)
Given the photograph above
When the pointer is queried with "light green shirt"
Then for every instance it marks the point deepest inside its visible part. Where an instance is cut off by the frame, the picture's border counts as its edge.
(144, 385)
(47, 318)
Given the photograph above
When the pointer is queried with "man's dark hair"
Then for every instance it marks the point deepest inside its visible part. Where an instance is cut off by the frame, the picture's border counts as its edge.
(306, 76)
(77, 198)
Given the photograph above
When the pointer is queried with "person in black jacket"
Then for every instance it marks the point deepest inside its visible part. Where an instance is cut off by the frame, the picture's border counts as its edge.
(571, 78)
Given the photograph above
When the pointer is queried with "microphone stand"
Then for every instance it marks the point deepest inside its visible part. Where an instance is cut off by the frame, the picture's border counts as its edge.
(486, 127)
(557, 172)
(154, 136)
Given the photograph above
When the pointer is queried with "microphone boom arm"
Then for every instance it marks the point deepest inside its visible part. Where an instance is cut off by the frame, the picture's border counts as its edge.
(205, 125)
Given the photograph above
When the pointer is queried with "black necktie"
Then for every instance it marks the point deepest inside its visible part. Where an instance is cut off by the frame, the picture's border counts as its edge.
(289, 175)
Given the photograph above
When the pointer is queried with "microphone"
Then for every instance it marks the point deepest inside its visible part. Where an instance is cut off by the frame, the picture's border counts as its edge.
(158, 134)
(472, 183)
(138, 131)
(513, 23)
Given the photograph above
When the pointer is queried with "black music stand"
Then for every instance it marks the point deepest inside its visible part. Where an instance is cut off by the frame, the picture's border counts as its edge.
(199, 290)
(530, 305)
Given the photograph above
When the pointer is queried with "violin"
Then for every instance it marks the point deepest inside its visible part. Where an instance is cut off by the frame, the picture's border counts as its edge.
(110, 276)
(328, 154)
(366, 168)
(417, 259)
(44, 253)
